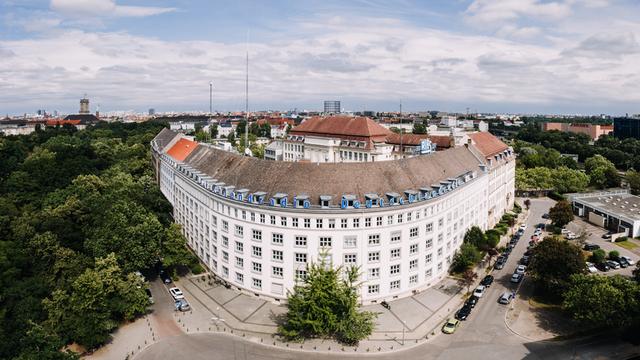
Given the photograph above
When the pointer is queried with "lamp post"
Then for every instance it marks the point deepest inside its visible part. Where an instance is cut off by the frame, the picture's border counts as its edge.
(210, 98)
(404, 324)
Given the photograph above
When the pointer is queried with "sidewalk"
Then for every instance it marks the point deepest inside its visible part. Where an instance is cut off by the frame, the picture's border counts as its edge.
(414, 319)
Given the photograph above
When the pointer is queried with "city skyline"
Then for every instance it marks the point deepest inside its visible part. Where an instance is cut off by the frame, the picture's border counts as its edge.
(490, 56)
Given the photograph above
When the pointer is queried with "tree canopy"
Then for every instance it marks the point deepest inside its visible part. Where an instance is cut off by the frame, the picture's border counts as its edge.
(553, 263)
(561, 213)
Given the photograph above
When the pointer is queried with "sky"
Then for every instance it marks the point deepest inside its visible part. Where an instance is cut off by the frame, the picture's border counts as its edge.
(516, 56)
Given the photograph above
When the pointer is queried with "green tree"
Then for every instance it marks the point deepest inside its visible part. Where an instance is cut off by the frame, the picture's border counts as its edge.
(614, 254)
(326, 305)
(561, 213)
(596, 301)
(602, 172)
(419, 129)
(527, 203)
(598, 256)
(633, 178)
(493, 238)
(553, 263)
(467, 279)
(475, 237)
(213, 131)
(467, 256)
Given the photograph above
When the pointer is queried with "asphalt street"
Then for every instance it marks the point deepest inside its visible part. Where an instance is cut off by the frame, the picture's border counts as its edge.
(483, 336)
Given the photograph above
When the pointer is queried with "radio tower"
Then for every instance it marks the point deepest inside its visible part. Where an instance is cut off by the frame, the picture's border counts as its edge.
(246, 101)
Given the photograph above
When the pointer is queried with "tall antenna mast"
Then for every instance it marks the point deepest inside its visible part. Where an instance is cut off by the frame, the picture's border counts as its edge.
(246, 103)
(401, 130)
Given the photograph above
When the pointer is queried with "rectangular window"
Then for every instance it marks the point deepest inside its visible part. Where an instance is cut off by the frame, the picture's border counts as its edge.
(440, 266)
(343, 223)
(373, 273)
(214, 221)
(325, 242)
(239, 262)
(367, 222)
(283, 221)
(350, 242)
(399, 218)
(429, 227)
(428, 244)
(225, 256)
(319, 223)
(225, 226)
(256, 251)
(413, 232)
(395, 236)
(294, 222)
(390, 220)
(356, 223)
(300, 257)
(350, 259)
(374, 256)
(225, 271)
(225, 241)
(239, 278)
(374, 239)
(276, 271)
(413, 249)
(394, 269)
(440, 223)
(273, 219)
(428, 258)
(394, 285)
(413, 264)
(395, 253)
(239, 247)
(301, 240)
(276, 239)
(332, 223)
(428, 273)
(379, 221)
(257, 283)
(262, 218)
(373, 289)
(413, 279)
(253, 217)
(409, 216)
(440, 238)
(307, 223)
(301, 274)
(256, 235)
(440, 251)
(256, 267)
(276, 255)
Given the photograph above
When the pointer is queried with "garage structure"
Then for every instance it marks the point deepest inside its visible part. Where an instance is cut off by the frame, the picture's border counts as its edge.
(615, 210)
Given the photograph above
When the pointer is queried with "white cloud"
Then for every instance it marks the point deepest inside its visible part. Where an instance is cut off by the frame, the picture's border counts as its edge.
(485, 12)
(99, 8)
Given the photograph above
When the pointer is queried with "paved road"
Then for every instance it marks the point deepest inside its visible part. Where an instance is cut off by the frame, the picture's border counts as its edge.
(483, 336)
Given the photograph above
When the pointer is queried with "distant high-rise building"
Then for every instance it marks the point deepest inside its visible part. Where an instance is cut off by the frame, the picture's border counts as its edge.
(331, 107)
(626, 127)
(152, 111)
(84, 106)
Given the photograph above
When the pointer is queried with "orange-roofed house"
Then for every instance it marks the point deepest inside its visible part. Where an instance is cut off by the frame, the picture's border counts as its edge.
(181, 149)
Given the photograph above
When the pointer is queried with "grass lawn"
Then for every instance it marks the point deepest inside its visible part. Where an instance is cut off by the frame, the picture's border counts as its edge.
(627, 244)
(537, 303)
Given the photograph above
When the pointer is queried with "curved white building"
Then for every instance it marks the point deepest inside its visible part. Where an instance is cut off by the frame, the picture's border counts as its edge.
(257, 223)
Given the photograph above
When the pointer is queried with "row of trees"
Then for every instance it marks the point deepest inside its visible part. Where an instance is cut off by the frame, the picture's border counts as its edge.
(80, 212)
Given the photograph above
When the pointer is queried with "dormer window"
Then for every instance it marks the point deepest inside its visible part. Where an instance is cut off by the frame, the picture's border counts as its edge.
(228, 190)
(411, 195)
(325, 201)
(371, 199)
(394, 198)
(257, 197)
(425, 192)
(301, 201)
(279, 199)
(349, 200)
(241, 194)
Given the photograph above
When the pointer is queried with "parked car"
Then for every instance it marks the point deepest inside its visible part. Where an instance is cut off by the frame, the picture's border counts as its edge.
(525, 260)
(521, 269)
(464, 312)
(523, 227)
(516, 278)
(628, 259)
(165, 277)
(176, 293)
(520, 232)
(529, 252)
(606, 236)
(545, 216)
(592, 268)
(541, 226)
(479, 291)
(182, 305)
(487, 281)
(450, 326)
(591, 247)
(499, 265)
(507, 251)
(602, 266)
(148, 291)
(623, 262)
(613, 264)
(471, 301)
(564, 231)
(571, 236)
(506, 298)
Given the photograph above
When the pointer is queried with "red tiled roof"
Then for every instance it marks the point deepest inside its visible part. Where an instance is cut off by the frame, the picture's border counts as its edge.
(181, 149)
(407, 139)
(441, 141)
(341, 125)
(54, 122)
(487, 144)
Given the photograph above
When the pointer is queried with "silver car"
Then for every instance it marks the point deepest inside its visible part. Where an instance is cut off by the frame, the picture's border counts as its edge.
(506, 298)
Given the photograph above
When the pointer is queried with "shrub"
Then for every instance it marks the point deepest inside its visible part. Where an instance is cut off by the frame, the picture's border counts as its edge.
(614, 254)
(598, 256)
(196, 268)
(465, 258)
(556, 196)
(622, 238)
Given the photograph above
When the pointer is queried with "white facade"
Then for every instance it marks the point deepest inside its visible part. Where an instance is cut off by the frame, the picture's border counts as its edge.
(327, 149)
(225, 131)
(263, 249)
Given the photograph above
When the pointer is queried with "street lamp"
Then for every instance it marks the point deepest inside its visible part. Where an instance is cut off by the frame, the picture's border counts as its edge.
(210, 98)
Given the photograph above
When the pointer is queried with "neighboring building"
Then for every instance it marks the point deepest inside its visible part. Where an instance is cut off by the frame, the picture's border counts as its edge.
(256, 224)
(592, 130)
(17, 126)
(411, 144)
(226, 129)
(627, 127)
(185, 126)
(278, 131)
(338, 139)
(152, 112)
(273, 151)
(84, 106)
(617, 210)
(79, 120)
(332, 107)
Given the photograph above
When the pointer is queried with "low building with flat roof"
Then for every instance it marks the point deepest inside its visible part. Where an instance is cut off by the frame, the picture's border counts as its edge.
(616, 210)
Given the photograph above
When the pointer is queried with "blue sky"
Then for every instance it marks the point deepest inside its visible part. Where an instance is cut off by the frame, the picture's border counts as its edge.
(526, 56)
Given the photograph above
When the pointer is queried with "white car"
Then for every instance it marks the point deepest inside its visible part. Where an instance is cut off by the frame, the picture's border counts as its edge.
(631, 262)
(176, 293)
(479, 291)
(592, 268)
(521, 269)
(523, 227)
(571, 236)
(564, 231)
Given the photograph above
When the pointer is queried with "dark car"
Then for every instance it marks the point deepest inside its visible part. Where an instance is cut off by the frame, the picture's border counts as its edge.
(529, 252)
(623, 262)
(525, 260)
(606, 236)
(602, 267)
(472, 301)
(591, 247)
(165, 277)
(487, 280)
(464, 312)
(541, 226)
(514, 240)
(545, 216)
(507, 251)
